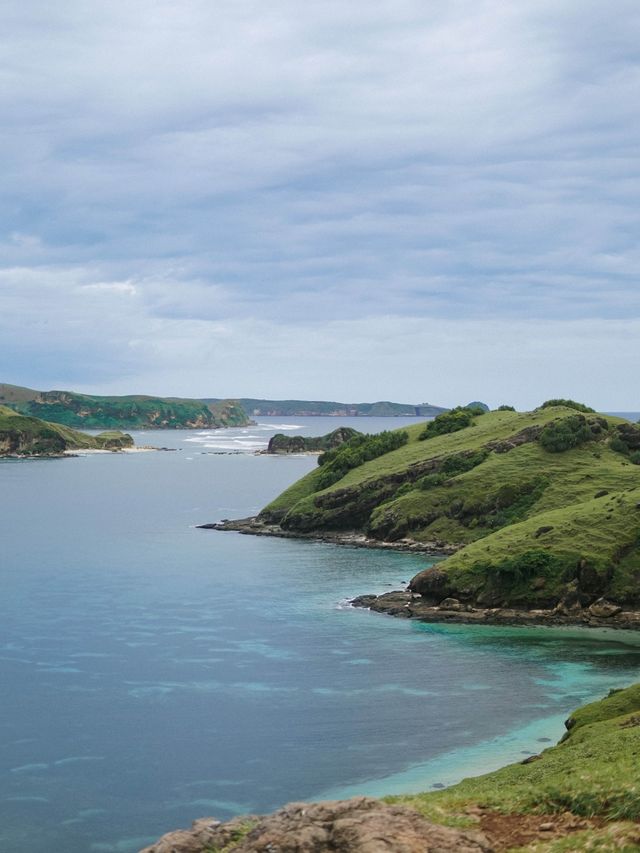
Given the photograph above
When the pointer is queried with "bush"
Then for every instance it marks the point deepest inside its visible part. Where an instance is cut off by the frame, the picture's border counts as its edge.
(568, 404)
(566, 433)
(635, 457)
(618, 445)
(452, 421)
(506, 409)
(353, 453)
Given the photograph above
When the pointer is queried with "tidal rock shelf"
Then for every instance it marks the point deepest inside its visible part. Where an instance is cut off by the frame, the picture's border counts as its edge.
(253, 526)
(409, 605)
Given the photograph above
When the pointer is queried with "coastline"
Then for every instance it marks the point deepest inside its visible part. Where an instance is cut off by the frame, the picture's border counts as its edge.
(252, 526)
(408, 605)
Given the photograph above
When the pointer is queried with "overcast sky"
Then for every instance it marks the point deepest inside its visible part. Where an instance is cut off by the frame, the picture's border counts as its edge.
(418, 201)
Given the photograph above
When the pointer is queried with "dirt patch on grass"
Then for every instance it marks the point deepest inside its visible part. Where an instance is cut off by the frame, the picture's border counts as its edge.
(506, 831)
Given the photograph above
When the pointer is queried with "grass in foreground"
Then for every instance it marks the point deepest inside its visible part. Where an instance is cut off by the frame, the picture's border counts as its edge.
(593, 772)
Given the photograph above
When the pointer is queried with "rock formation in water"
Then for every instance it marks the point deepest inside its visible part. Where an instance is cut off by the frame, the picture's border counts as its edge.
(281, 443)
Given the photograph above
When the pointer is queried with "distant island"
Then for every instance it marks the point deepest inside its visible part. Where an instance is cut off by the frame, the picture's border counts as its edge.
(324, 408)
(538, 513)
(25, 436)
(89, 411)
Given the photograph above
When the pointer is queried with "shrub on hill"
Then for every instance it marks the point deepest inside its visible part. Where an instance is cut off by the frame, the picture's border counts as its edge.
(568, 404)
(627, 441)
(452, 421)
(506, 409)
(361, 448)
(566, 433)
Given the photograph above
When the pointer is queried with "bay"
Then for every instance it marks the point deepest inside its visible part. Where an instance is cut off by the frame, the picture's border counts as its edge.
(152, 672)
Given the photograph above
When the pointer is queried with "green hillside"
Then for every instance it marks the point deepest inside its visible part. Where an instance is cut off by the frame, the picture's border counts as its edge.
(88, 411)
(22, 435)
(593, 774)
(540, 505)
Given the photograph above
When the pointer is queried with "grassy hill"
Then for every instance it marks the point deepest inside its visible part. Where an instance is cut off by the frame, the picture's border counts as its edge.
(21, 435)
(540, 505)
(594, 773)
(90, 411)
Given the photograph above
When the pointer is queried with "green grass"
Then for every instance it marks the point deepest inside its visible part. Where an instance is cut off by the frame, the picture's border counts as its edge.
(28, 436)
(593, 772)
(88, 411)
(579, 505)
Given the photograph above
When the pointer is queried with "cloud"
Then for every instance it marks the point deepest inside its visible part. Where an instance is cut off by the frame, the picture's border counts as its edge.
(241, 163)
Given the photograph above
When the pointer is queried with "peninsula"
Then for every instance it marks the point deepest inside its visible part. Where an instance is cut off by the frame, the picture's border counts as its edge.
(24, 436)
(89, 411)
(537, 513)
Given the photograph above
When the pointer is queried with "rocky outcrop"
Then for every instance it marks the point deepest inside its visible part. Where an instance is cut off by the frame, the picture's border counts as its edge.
(114, 440)
(360, 825)
(280, 443)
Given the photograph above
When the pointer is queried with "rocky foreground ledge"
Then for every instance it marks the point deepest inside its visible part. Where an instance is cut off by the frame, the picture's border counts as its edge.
(253, 526)
(409, 605)
(361, 825)
(365, 825)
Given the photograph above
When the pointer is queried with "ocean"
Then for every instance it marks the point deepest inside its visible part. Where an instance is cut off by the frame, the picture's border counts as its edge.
(153, 672)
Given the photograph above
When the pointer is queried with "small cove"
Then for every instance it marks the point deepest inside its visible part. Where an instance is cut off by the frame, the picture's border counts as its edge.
(154, 673)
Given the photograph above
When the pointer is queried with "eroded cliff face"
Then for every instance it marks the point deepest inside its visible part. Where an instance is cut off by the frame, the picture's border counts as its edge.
(14, 442)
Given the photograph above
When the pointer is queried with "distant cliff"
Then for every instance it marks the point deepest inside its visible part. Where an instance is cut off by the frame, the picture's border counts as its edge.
(89, 411)
(22, 435)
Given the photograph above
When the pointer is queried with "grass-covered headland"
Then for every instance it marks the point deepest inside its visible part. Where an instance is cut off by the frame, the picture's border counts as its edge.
(138, 411)
(23, 436)
(538, 509)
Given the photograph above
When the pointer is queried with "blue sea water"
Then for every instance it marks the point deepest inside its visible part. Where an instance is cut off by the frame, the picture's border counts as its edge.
(153, 673)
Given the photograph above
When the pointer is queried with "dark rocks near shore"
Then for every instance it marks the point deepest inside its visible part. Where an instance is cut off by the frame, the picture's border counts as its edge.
(410, 605)
(254, 526)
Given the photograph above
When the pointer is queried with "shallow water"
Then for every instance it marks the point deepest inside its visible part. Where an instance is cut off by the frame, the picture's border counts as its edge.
(153, 673)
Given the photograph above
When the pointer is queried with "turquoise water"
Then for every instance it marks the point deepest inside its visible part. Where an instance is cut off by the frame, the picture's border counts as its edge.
(153, 673)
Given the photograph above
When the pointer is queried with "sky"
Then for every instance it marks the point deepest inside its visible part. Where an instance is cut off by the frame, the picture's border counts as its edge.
(407, 200)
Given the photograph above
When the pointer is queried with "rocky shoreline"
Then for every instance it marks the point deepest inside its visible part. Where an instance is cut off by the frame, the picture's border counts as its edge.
(253, 526)
(409, 605)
